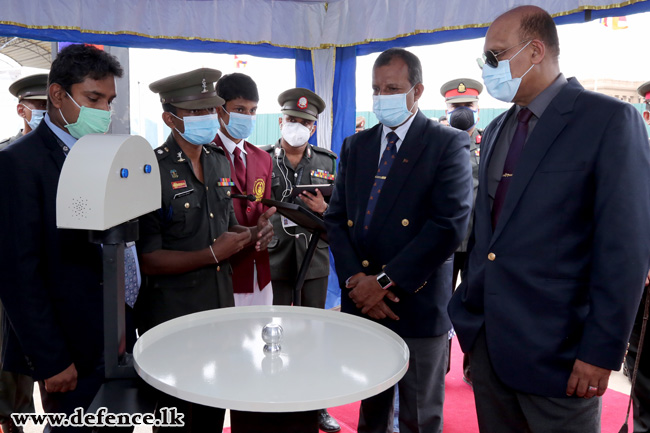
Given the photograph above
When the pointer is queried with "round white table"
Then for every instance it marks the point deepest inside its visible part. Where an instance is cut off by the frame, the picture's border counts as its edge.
(216, 358)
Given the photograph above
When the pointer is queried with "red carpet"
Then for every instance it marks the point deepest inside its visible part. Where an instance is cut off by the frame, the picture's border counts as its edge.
(460, 412)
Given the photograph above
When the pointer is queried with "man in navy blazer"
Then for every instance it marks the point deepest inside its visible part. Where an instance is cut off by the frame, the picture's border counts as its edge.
(551, 287)
(399, 210)
(51, 278)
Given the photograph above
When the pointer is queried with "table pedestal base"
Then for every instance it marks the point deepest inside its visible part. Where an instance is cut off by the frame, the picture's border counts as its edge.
(274, 422)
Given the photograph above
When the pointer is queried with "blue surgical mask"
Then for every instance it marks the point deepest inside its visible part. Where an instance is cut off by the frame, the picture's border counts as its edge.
(499, 81)
(199, 130)
(90, 121)
(37, 116)
(240, 126)
(463, 118)
(391, 110)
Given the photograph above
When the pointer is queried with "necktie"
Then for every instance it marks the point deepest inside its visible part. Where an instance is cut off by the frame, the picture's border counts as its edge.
(516, 146)
(387, 159)
(240, 169)
(131, 286)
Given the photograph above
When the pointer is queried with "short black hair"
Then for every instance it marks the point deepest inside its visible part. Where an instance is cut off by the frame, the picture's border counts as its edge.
(411, 60)
(237, 85)
(169, 108)
(77, 62)
(540, 25)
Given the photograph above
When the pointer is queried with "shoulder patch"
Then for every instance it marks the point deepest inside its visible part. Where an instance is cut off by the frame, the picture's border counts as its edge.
(214, 148)
(161, 152)
(324, 151)
(267, 148)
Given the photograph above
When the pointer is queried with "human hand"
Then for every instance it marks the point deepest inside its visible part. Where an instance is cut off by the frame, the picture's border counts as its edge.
(352, 281)
(264, 229)
(316, 202)
(62, 382)
(647, 279)
(230, 243)
(587, 380)
(381, 311)
(367, 293)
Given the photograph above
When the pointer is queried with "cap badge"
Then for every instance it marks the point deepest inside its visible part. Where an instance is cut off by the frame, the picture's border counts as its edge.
(302, 103)
(462, 88)
(205, 86)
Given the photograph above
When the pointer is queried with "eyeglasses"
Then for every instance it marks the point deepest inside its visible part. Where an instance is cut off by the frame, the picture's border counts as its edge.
(490, 58)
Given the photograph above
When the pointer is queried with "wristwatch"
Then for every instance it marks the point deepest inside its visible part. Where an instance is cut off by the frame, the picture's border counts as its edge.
(384, 281)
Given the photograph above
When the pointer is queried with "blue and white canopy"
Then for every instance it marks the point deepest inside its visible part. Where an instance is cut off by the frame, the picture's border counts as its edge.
(323, 37)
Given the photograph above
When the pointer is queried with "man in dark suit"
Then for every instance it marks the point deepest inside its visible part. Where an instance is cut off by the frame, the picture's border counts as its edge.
(399, 210)
(16, 389)
(251, 173)
(51, 278)
(641, 388)
(560, 249)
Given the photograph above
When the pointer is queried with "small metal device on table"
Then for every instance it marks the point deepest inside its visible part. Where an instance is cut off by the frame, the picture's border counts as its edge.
(285, 362)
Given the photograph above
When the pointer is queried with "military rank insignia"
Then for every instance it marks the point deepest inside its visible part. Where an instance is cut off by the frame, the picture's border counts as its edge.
(258, 189)
(322, 174)
(225, 181)
(179, 184)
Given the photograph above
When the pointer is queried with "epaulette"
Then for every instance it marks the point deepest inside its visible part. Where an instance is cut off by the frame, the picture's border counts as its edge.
(267, 147)
(325, 151)
(162, 152)
(213, 147)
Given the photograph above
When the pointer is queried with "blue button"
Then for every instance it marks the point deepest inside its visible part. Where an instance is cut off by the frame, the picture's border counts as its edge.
(147, 168)
(124, 173)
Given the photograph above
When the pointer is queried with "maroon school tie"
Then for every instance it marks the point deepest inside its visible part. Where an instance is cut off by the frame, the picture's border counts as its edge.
(516, 146)
(240, 169)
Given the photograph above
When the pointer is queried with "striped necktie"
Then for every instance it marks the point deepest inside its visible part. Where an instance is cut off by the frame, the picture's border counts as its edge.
(386, 162)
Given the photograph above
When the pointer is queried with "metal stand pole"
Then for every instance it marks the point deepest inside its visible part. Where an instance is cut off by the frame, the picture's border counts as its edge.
(304, 267)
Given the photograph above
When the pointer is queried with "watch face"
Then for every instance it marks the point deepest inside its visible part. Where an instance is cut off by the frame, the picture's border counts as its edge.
(383, 280)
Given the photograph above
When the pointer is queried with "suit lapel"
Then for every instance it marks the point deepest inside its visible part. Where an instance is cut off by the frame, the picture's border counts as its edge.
(250, 172)
(365, 165)
(540, 140)
(53, 144)
(488, 146)
(405, 160)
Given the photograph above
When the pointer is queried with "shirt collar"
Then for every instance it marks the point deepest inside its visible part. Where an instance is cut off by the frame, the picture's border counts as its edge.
(230, 145)
(541, 101)
(64, 136)
(402, 129)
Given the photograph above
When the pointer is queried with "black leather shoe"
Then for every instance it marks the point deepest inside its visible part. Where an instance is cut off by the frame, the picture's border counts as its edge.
(326, 423)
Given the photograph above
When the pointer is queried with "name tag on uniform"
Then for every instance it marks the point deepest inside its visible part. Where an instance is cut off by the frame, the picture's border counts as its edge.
(286, 222)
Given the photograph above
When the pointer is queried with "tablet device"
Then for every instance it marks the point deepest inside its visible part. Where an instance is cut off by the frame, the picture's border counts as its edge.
(324, 189)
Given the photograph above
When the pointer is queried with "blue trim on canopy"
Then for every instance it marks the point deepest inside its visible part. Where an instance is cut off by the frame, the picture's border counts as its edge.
(344, 97)
(422, 39)
(132, 41)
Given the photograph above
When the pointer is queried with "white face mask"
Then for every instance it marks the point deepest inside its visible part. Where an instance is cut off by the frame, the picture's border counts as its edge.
(296, 134)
